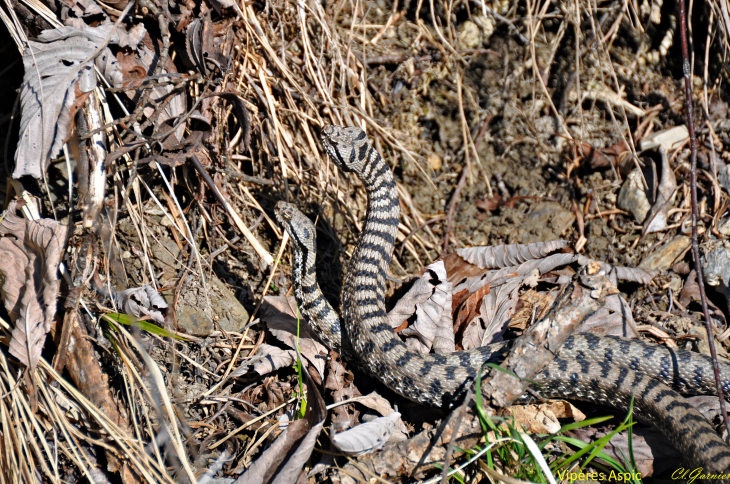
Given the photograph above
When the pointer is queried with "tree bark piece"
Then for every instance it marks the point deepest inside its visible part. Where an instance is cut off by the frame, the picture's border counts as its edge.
(540, 344)
(85, 371)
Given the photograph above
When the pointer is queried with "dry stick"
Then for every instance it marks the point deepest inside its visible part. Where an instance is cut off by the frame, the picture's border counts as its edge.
(693, 191)
(239, 223)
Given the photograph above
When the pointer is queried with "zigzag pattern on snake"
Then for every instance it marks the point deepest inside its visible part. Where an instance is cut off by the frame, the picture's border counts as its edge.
(605, 370)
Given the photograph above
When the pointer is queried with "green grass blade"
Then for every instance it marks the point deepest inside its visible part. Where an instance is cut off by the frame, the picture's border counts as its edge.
(128, 320)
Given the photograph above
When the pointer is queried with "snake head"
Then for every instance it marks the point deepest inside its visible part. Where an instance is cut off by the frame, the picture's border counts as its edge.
(298, 226)
(347, 146)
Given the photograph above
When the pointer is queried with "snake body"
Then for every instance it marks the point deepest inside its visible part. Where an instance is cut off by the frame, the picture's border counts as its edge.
(604, 370)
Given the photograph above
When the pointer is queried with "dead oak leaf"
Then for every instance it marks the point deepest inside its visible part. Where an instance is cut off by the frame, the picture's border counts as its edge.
(30, 254)
(280, 315)
(430, 300)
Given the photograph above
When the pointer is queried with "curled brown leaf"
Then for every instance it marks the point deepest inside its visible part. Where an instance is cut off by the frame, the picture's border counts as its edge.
(30, 254)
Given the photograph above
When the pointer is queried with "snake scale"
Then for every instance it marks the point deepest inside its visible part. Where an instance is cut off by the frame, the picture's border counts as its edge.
(606, 370)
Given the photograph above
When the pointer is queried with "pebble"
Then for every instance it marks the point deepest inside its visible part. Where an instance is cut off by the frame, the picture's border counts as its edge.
(724, 227)
(663, 258)
(470, 37)
(632, 197)
(196, 314)
(547, 221)
(717, 266)
(200, 318)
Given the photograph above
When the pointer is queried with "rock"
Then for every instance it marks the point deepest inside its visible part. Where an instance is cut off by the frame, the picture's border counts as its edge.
(724, 227)
(717, 268)
(667, 139)
(663, 258)
(435, 161)
(200, 317)
(196, 314)
(475, 32)
(165, 257)
(632, 197)
(166, 221)
(717, 265)
(548, 221)
(470, 37)
(486, 24)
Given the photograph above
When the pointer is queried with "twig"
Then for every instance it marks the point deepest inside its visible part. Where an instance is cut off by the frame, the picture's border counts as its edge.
(413, 232)
(693, 190)
(263, 253)
(454, 202)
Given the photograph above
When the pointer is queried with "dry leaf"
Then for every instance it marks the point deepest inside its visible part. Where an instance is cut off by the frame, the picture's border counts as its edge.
(295, 463)
(142, 301)
(430, 299)
(614, 318)
(367, 437)
(606, 157)
(496, 277)
(30, 253)
(279, 313)
(55, 65)
(471, 305)
(534, 304)
(663, 194)
(278, 460)
(177, 105)
(375, 402)
(489, 205)
(270, 358)
(509, 255)
(495, 311)
(85, 8)
(632, 274)
(563, 409)
(535, 419)
(341, 382)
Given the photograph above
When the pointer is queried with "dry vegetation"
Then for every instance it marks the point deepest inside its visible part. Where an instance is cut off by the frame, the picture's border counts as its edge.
(504, 122)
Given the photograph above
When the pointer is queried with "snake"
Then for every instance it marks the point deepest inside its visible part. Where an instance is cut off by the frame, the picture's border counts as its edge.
(607, 370)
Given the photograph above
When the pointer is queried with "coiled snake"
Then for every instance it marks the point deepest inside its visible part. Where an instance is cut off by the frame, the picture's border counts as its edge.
(605, 370)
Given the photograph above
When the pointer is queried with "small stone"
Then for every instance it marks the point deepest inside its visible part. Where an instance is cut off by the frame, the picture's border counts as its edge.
(166, 221)
(486, 24)
(632, 197)
(724, 227)
(470, 36)
(663, 258)
(717, 265)
(200, 318)
(165, 255)
(548, 221)
(667, 138)
(675, 283)
(435, 161)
